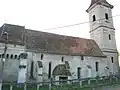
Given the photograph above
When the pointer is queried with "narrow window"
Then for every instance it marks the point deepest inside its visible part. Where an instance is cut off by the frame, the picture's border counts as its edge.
(15, 57)
(7, 56)
(11, 56)
(109, 37)
(112, 59)
(31, 70)
(96, 65)
(49, 71)
(106, 16)
(62, 59)
(0, 55)
(78, 72)
(42, 56)
(94, 18)
(82, 57)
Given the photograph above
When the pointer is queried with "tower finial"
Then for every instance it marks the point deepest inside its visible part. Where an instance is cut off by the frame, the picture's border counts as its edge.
(100, 2)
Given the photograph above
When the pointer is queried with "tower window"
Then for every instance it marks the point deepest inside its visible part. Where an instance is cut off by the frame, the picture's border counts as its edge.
(82, 57)
(94, 18)
(96, 66)
(109, 37)
(42, 56)
(106, 16)
(62, 59)
(112, 59)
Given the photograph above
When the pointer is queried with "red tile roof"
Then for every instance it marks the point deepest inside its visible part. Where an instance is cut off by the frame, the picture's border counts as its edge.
(51, 43)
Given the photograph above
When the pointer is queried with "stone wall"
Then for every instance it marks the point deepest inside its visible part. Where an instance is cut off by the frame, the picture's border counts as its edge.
(74, 63)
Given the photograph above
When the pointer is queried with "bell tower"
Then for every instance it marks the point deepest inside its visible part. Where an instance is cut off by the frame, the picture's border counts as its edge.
(103, 32)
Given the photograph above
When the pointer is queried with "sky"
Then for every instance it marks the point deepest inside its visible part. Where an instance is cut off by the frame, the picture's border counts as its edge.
(44, 14)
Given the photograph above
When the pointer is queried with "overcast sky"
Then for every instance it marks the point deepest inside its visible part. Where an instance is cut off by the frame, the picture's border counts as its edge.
(44, 14)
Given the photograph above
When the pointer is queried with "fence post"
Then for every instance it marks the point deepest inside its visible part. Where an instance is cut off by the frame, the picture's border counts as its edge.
(25, 86)
(110, 79)
(80, 83)
(93, 88)
(37, 86)
(89, 82)
(97, 81)
(50, 84)
(11, 86)
(116, 79)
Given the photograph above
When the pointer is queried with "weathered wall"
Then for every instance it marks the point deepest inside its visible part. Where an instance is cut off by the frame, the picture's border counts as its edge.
(74, 62)
(11, 65)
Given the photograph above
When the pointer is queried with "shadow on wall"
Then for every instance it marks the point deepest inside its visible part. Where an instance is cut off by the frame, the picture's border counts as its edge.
(119, 60)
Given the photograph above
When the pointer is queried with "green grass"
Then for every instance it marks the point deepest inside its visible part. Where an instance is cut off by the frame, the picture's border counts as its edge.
(75, 86)
(18, 87)
(6, 87)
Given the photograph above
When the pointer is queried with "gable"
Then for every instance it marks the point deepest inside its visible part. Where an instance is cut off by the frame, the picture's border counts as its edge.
(15, 34)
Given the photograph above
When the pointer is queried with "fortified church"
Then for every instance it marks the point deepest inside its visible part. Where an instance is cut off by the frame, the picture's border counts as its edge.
(35, 56)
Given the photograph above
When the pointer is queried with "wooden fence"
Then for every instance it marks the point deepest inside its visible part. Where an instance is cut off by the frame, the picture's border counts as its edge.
(76, 84)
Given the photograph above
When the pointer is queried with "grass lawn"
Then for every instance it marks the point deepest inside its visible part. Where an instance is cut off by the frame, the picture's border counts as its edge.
(75, 86)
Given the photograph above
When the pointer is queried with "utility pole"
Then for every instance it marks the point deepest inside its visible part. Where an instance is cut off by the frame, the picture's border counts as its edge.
(4, 36)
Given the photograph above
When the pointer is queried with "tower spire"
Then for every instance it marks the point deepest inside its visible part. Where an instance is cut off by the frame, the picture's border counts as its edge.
(99, 2)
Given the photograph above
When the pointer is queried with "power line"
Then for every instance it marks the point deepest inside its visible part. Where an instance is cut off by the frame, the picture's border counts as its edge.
(79, 23)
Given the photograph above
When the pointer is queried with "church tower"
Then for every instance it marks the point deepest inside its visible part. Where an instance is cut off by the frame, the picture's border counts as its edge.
(103, 32)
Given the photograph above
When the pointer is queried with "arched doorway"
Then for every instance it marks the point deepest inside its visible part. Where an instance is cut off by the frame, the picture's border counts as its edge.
(60, 72)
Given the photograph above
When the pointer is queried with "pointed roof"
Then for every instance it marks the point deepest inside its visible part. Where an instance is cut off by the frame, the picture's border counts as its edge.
(99, 2)
(61, 70)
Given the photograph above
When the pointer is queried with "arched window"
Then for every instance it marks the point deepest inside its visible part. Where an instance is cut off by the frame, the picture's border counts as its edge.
(7, 56)
(42, 56)
(106, 16)
(15, 57)
(62, 59)
(109, 37)
(78, 72)
(112, 59)
(49, 70)
(11, 56)
(32, 70)
(97, 66)
(94, 18)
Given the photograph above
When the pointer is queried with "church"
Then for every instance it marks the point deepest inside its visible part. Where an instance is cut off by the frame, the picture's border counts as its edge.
(34, 56)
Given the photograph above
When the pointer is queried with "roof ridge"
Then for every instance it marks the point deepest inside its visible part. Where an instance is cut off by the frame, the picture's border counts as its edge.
(57, 34)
